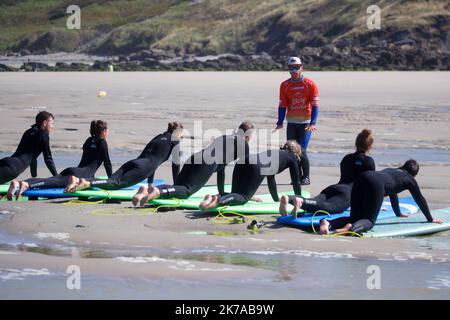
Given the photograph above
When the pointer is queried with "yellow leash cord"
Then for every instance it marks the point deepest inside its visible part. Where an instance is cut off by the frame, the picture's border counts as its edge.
(220, 218)
(152, 211)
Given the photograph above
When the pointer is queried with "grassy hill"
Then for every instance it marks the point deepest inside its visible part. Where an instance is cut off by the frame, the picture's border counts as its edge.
(205, 27)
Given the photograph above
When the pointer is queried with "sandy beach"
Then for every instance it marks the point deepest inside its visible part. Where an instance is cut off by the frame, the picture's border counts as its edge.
(182, 254)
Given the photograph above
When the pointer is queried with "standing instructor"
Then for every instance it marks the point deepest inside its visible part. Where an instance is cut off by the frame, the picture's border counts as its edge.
(299, 103)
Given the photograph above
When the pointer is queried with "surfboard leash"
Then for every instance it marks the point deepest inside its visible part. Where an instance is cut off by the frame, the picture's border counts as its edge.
(151, 211)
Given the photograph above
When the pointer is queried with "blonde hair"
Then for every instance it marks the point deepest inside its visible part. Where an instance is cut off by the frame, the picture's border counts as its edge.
(294, 147)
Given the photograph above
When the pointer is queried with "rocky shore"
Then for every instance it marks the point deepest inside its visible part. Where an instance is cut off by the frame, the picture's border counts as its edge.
(370, 54)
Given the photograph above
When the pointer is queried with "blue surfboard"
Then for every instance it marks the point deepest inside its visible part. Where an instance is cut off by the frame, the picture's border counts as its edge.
(59, 192)
(407, 205)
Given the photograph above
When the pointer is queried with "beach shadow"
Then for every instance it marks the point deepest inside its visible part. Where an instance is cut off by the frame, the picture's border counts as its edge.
(274, 225)
(199, 215)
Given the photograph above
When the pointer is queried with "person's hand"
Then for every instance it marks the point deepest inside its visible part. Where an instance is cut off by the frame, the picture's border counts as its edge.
(256, 199)
(438, 221)
(403, 215)
(279, 126)
(311, 128)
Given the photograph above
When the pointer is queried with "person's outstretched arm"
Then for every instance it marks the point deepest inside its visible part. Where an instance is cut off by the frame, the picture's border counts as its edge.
(420, 200)
(106, 160)
(175, 171)
(294, 171)
(48, 159)
(150, 178)
(273, 188)
(176, 162)
(221, 181)
(33, 168)
(395, 204)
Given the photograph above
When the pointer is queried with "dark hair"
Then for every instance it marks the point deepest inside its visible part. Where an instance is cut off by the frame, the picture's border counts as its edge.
(172, 126)
(411, 166)
(246, 125)
(97, 126)
(43, 116)
(364, 140)
(294, 147)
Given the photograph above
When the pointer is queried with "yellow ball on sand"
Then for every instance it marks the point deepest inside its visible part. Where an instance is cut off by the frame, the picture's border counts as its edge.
(101, 94)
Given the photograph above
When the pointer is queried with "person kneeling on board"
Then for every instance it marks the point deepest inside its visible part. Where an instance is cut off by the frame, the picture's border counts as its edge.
(248, 176)
(201, 166)
(336, 198)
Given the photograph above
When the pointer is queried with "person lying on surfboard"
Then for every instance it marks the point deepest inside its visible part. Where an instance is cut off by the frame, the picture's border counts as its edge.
(368, 193)
(34, 142)
(157, 151)
(95, 152)
(248, 176)
(336, 198)
(201, 166)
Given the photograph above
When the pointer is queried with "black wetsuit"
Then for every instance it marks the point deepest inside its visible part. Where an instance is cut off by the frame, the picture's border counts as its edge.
(201, 166)
(369, 191)
(336, 198)
(95, 152)
(33, 142)
(297, 132)
(247, 177)
(134, 171)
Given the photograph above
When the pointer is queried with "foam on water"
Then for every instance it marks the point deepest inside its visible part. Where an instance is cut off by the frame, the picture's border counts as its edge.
(56, 235)
(181, 265)
(440, 281)
(21, 274)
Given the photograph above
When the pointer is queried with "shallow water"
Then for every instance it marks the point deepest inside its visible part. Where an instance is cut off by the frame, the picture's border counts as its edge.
(297, 275)
(387, 157)
(311, 279)
(383, 157)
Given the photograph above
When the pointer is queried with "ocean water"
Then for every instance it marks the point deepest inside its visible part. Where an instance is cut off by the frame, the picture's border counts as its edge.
(383, 157)
(298, 274)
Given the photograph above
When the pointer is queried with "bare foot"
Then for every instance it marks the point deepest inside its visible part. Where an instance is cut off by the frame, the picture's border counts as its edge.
(345, 229)
(73, 182)
(142, 192)
(324, 227)
(298, 202)
(213, 203)
(283, 205)
(206, 200)
(153, 194)
(256, 199)
(22, 187)
(83, 184)
(12, 189)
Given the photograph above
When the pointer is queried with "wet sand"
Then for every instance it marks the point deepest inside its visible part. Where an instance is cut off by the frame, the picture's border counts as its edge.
(139, 105)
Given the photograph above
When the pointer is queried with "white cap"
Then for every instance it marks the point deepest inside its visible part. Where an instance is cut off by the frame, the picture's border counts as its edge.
(294, 60)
